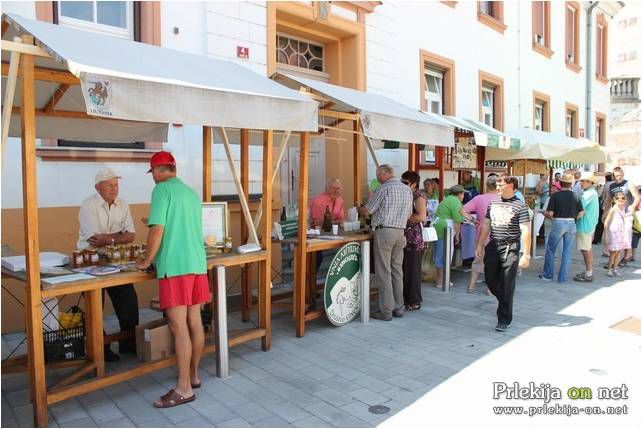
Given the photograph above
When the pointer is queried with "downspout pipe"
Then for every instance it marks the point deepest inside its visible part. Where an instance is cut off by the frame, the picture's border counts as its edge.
(589, 69)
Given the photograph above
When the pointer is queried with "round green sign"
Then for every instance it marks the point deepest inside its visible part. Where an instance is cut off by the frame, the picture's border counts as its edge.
(342, 293)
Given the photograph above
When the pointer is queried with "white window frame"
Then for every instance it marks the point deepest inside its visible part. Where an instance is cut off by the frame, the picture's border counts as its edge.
(123, 33)
(488, 110)
(489, 5)
(542, 42)
(539, 119)
(572, 58)
(569, 124)
(430, 96)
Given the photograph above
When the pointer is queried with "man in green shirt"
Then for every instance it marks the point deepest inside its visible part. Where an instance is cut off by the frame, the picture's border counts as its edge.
(448, 210)
(175, 245)
(585, 226)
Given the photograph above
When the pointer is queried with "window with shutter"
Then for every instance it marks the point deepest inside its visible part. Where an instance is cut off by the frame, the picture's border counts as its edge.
(598, 51)
(541, 28)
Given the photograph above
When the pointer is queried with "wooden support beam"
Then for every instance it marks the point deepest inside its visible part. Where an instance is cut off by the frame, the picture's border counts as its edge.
(207, 164)
(339, 115)
(282, 151)
(55, 98)
(301, 248)
(24, 48)
(265, 284)
(373, 154)
(77, 375)
(246, 293)
(356, 164)
(239, 189)
(48, 75)
(10, 90)
(70, 114)
(5, 27)
(94, 328)
(412, 157)
(35, 341)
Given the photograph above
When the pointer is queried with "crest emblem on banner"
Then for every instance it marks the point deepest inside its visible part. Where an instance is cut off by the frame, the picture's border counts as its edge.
(342, 294)
(99, 92)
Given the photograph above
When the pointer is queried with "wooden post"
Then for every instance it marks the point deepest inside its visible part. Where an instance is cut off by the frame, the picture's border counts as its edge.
(12, 78)
(356, 166)
(275, 173)
(441, 158)
(94, 330)
(246, 292)
(265, 293)
(481, 153)
(301, 248)
(239, 188)
(35, 344)
(207, 164)
(412, 157)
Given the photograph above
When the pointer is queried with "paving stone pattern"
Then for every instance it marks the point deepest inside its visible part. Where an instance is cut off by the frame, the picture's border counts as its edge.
(328, 378)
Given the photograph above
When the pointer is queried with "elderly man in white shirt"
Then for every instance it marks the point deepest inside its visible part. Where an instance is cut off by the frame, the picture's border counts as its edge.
(105, 219)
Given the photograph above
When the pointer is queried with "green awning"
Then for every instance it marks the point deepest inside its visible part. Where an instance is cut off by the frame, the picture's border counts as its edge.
(484, 134)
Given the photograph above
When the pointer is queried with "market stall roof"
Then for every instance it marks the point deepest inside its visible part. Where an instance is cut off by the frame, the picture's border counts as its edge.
(548, 146)
(485, 135)
(381, 117)
(149, 87)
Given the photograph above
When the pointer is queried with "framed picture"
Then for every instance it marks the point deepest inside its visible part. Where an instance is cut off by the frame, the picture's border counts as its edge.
(215, 223)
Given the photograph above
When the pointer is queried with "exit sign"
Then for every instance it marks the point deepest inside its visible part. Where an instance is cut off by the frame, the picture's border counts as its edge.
(243, 52)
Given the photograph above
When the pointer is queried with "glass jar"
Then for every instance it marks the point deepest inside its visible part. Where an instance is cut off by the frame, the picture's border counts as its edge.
(228, 245)
(94, 257)
(115, 255)
(77, 259)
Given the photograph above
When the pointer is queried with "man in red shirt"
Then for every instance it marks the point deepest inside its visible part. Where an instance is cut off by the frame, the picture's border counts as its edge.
(332, 199)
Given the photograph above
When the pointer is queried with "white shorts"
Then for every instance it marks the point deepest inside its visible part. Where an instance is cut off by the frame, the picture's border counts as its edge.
(584, 241)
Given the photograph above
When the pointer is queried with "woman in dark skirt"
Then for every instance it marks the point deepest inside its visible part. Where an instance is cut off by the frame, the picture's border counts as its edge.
(414, 244)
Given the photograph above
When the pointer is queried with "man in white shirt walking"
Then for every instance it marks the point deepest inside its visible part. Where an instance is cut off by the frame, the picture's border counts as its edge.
(105, 219)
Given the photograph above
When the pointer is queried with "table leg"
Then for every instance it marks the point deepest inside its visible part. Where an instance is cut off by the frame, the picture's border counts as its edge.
(94, 330)
(220, 325)
(365, 282)
(311, 289)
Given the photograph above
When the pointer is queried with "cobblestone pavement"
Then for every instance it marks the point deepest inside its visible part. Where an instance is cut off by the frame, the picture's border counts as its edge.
(433, 367)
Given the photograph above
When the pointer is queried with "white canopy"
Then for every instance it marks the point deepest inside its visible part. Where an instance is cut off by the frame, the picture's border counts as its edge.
(131, 81)
(381, 117)
(547, 146)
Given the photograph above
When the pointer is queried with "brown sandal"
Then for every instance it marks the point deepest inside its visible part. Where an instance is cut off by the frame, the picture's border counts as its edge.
(172, 399)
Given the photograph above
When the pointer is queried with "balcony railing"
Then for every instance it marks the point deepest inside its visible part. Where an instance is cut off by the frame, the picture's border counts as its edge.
(625, 90)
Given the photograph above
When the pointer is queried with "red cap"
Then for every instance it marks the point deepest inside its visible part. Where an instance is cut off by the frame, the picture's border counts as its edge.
(161, 158)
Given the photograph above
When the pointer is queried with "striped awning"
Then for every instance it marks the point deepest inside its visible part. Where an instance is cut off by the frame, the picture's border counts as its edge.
(566, 165)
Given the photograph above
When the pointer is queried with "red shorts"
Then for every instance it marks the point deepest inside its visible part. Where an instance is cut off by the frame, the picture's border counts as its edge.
(188, 289)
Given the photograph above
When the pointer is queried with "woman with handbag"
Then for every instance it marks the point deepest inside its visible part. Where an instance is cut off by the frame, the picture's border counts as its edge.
(414, 244)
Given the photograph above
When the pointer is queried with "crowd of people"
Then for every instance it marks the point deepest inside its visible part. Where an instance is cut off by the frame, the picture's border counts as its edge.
(576, 207)
(400, 212)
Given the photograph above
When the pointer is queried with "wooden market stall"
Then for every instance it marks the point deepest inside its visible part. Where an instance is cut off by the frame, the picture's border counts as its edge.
(121, 91)
(472, 138)
(373, 118)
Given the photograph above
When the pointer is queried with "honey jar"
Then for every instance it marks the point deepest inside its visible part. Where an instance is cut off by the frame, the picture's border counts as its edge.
(77, 259)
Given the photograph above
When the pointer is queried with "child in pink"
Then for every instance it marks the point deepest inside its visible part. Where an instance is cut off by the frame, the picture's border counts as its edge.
(619, 231)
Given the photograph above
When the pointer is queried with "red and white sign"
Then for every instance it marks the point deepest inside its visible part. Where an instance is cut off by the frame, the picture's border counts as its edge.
(243, 52)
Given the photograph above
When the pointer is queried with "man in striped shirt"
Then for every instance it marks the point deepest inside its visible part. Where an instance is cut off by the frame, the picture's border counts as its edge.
(390, 206)
(507, 220)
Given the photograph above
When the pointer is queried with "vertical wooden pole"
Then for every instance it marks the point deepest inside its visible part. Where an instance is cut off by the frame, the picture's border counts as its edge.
(246, 291)
(302, 245)
(35, 344)
(356, 159)
(207, 164)
(481, 153)
(94, 330)
(412, 157)
(265, 293)
(441, 158)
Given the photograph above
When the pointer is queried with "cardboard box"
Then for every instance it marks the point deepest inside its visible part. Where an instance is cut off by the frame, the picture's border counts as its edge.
(154, 341)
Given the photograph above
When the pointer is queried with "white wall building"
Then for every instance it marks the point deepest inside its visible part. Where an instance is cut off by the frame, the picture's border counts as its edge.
(478, 46)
